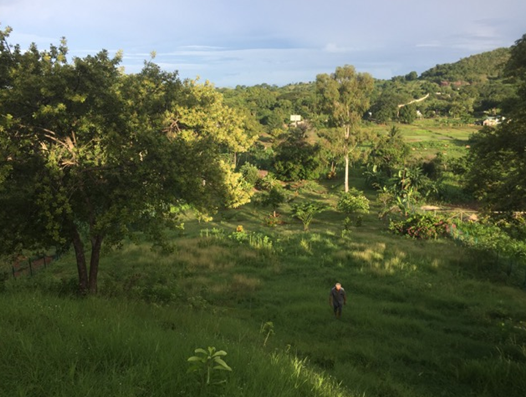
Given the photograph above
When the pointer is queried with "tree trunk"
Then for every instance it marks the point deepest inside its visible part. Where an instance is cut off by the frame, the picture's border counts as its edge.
(346, 148)
(346, 172)
(81, 261)
(96, 244)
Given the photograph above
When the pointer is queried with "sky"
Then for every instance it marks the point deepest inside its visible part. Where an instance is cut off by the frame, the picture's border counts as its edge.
(277, 42)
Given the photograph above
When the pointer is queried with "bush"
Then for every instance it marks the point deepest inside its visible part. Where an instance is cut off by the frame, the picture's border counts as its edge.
(352, 202)
(250, 173)
(420, 226)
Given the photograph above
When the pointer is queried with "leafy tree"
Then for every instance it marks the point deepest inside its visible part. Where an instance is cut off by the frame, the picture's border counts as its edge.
(353, 202)
(250, 174)
(296, 158)
(389, 152)
(498, 163)
(274, 197)
(89, 155)
(345, 98)
(407, 114)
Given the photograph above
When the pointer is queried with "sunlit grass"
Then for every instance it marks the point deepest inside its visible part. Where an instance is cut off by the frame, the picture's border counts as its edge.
(422, 319)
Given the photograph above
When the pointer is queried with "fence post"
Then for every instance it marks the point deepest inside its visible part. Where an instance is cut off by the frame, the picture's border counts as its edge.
(30, 268)
(45, 264)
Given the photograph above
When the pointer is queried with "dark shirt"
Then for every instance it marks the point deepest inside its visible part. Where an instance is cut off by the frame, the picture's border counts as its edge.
(338, 297)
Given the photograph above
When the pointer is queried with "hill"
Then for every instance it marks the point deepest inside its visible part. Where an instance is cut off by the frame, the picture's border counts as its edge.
(474, 69)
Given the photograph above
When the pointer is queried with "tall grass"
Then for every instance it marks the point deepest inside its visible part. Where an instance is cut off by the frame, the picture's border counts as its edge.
(99, 347)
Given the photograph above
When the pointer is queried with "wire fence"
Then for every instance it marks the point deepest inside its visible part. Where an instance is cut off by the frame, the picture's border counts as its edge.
(29, 266)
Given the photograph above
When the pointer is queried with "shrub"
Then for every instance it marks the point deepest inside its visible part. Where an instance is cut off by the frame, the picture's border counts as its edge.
(250, 173)
(420, 226)
(354, 203)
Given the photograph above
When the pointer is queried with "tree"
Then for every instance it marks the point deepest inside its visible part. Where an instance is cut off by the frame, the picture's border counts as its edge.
(353, 202)
(497, 175)
(389, 152)
(345, 98)
(305, 212)
(296, 158)
(89, 155)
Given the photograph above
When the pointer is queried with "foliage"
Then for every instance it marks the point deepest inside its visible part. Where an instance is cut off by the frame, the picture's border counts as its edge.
(274, 197)
(497, 175)
(473, 69)
(297, 159)
(305, 212)
(250, 173)
(97, 154)
(407, 114)
(344, 99)
(420, 226)
(253, 239)
(267, 329)
(389, 153)
(353, 203)
(207, 363)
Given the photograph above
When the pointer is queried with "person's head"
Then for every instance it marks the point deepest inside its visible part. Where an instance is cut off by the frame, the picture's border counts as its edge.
(338, 286)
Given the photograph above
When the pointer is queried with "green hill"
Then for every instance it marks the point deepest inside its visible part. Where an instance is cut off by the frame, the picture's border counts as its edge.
(474, 69)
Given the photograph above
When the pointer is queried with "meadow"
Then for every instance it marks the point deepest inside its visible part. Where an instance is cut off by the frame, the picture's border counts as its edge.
(423, 318)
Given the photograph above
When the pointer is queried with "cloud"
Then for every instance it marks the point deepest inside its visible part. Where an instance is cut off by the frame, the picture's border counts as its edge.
(331, 47)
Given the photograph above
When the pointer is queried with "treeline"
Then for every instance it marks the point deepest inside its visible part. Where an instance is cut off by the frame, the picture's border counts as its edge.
(470, 89)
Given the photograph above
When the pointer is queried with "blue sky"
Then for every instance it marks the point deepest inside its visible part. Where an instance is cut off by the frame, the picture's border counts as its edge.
(247, 42)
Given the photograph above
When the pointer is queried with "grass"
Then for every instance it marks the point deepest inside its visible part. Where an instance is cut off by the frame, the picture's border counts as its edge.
(429, 136)
(423, 318)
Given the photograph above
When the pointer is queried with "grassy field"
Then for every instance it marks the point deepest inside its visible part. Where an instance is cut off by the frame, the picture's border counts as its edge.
(423, 318)
(427, 137)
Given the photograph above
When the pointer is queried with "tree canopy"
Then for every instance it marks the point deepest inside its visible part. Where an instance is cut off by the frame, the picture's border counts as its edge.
(344, 98)
(498, 155)
(89, 154)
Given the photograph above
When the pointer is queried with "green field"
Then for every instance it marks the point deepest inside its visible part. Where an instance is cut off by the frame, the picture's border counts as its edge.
(427, 137)
(423, 318)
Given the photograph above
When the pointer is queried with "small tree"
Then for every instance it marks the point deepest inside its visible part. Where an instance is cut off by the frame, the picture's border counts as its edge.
(305, 212)
(274, 198)
(353, 203)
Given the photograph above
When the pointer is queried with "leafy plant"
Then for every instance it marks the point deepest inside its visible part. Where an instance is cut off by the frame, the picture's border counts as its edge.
(305, 212)
(207, 363)
(268, 329)
(353, 202)
(420, 226)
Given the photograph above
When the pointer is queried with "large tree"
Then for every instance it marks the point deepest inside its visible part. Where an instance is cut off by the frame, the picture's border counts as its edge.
(88, 154)
(345, 96)
(498, 155)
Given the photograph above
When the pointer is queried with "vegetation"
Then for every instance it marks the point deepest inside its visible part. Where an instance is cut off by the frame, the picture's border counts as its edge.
(252, 223)
(345, 98)
(96, 154)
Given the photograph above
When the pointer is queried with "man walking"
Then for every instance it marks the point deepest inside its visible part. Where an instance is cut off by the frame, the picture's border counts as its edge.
(337, 298)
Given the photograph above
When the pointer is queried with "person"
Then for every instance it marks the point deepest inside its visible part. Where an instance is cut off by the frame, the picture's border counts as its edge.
(337, 298)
